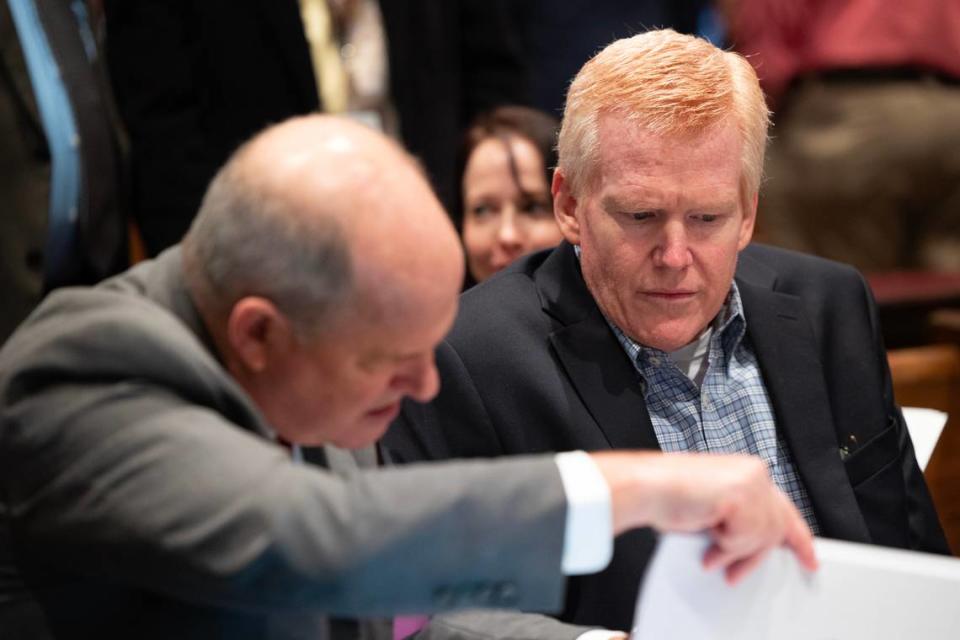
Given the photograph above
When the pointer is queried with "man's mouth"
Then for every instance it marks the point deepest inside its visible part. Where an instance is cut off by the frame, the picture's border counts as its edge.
(670, 294)
(388, 411)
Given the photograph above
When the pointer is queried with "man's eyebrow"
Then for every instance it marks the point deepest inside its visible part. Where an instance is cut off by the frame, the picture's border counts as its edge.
(718, 206)
(627, 203)
(647, 202)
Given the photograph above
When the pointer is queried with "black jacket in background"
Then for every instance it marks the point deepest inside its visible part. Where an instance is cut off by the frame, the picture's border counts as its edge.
(196, 78)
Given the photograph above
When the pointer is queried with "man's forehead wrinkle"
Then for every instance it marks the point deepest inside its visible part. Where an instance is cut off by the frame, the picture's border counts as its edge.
(633, 157)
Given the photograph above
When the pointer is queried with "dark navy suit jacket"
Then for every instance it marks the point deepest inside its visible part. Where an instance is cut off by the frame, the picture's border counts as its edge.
(532, 366)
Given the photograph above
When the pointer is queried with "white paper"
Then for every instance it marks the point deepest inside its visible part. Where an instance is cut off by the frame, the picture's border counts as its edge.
(924, 426)
(860, 592)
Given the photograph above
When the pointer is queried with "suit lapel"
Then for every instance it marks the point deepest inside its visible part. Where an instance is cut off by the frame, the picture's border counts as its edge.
(593, 359)
(786, 351)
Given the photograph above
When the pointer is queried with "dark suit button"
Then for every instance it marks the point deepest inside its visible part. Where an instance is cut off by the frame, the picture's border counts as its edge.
(505, 594)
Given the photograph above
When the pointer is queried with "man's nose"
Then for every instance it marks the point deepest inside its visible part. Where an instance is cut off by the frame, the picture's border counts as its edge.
(673, 250)
(420, 381)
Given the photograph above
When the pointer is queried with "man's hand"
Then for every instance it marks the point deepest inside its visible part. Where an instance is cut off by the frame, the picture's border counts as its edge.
(731, 497)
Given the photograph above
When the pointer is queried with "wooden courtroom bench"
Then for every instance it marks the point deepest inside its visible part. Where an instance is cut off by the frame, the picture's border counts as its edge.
(929, 376)
(907, 302)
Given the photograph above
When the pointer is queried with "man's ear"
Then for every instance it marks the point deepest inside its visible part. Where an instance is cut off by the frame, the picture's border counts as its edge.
(565, 207)
(749, 221)
(256, 332)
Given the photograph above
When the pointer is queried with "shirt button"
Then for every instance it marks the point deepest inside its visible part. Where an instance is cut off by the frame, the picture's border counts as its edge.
(655, 361)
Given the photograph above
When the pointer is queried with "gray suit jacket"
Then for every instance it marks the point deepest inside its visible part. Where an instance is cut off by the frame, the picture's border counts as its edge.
(139, 497)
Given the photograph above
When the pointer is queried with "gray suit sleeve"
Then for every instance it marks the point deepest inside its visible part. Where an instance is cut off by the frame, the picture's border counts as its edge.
(496, 625)
(131, 483)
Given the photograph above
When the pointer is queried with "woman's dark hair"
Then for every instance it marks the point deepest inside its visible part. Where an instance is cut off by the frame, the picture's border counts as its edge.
(538, 127)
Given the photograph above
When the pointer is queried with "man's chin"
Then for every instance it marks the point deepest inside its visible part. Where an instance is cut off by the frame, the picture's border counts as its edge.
(368, 429)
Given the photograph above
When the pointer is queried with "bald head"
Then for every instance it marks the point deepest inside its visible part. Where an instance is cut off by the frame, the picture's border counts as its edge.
(319, 214)
(327, 273)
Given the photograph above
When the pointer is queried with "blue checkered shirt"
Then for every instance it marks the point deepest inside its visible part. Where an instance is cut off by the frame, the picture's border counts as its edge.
(729, 413)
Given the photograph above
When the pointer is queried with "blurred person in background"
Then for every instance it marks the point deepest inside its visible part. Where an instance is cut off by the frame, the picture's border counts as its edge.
(863, 165)
(506, 169)
(194, 79)
(24, 184)
(61, 177)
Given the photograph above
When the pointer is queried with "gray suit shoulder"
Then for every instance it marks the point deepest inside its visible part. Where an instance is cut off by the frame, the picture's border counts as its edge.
(106, 334)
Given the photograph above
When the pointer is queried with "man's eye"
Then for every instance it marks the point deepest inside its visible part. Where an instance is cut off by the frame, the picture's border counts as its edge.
(640, 216)
(707, 217)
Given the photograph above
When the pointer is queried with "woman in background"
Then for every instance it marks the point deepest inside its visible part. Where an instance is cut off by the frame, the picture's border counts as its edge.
(507, 167)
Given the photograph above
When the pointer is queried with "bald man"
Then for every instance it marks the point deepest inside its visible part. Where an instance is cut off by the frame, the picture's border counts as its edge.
(150, 481)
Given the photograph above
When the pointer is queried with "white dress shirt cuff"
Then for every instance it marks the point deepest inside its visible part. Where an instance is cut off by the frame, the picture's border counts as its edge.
(588, 537)
(602, 634)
